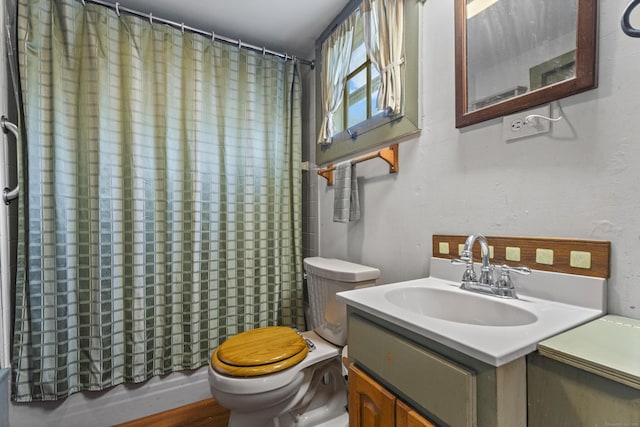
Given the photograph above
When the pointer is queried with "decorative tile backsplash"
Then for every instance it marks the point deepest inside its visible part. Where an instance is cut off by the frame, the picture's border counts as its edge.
(572, 256)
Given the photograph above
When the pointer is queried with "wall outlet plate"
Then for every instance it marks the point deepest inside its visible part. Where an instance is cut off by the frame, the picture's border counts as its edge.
(515, 126)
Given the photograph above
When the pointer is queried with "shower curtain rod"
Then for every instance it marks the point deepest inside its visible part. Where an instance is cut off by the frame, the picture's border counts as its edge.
(181, 26)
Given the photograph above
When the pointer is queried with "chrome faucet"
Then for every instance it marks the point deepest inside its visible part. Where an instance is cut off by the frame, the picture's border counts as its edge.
(486, 272)
(502, 287)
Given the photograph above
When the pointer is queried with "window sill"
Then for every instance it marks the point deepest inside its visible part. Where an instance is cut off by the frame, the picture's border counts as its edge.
(377, 131)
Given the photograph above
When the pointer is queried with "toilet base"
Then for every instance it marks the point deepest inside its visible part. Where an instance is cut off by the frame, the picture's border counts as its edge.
(323, 405)
(341, 420)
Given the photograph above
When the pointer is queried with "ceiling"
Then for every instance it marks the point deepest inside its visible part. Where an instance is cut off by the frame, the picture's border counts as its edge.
(287, 26)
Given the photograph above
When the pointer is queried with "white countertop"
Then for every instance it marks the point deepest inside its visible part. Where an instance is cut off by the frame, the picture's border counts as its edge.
(495, 345)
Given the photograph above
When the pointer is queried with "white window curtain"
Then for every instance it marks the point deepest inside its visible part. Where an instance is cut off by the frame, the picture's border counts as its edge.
(336, 57)
(383, 26)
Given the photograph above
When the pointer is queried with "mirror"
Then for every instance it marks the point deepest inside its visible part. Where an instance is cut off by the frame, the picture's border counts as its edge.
(515, 54)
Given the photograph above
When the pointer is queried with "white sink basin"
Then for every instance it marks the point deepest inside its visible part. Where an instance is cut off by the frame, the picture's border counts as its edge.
(493, 330)
(458, 307)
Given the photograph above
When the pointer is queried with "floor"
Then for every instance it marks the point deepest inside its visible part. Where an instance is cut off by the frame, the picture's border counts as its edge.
(200, 414)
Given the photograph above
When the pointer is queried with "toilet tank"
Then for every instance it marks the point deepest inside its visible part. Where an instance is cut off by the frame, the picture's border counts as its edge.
(325, 277)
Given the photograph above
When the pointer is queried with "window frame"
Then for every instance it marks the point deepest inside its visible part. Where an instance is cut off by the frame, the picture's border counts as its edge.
(380, 129)
(365, 66)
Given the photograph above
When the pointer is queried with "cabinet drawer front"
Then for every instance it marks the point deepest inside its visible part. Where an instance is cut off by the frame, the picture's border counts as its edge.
(445, 389)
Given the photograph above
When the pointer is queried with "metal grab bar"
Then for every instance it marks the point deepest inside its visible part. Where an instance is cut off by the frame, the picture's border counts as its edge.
(626, 25)
(9, 195)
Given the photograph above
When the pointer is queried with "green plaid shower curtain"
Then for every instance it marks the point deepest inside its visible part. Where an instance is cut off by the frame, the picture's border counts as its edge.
(162, 205)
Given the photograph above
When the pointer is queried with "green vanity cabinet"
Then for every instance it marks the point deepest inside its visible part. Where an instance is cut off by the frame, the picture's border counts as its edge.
(441, 384)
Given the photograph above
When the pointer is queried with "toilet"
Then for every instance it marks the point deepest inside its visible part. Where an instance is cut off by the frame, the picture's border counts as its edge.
(277, 377)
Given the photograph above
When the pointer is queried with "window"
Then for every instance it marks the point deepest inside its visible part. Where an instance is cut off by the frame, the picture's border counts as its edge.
(358, 124)
(361, 87)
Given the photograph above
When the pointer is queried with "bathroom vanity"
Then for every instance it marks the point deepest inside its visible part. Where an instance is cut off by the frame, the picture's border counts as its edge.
(373, 404)
(441, 384)
(450, 356)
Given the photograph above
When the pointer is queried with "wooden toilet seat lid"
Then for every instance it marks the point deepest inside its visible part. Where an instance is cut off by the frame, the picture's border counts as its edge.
(259, 352)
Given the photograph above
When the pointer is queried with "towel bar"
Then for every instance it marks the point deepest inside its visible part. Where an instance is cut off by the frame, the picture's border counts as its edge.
(389, 155)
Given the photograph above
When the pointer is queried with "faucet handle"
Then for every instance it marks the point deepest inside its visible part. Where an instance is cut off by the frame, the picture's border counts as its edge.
(466, 255)
(520, 270)
(503, 286)
(504, 281)
(469, 274)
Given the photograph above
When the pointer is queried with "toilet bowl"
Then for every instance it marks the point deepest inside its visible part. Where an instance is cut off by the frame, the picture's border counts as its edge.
(275, 377)
(259, 400)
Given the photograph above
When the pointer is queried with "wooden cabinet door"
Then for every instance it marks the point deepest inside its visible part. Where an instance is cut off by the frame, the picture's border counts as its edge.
(370, 404)
(407, 417)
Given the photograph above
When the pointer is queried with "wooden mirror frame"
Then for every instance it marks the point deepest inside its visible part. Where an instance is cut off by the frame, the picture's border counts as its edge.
(584, 79)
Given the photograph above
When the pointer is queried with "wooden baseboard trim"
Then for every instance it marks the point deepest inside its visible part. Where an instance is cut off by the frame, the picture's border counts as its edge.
(207, 413)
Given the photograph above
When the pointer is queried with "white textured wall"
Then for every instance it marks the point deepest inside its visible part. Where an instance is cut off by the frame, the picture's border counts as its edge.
(582, 180)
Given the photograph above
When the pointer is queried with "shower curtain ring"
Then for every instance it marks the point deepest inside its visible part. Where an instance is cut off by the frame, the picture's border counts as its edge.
(182, 28)
(264, 51)
(118, 9)
(213, 36)
(151, 18)
(239, 44)
(84, 3)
